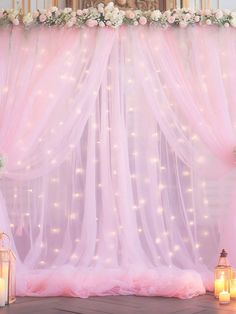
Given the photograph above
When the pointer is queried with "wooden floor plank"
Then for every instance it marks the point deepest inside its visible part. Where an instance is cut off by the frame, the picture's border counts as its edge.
(206, 304)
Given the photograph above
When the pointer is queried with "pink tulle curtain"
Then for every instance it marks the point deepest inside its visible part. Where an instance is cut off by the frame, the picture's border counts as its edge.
(119, 148)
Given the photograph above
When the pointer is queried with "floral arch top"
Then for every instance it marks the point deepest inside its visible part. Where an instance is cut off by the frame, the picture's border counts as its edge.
(111, 16)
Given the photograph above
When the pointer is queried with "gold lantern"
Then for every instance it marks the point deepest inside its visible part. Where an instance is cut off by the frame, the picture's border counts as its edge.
(7, 272)
(222, 275)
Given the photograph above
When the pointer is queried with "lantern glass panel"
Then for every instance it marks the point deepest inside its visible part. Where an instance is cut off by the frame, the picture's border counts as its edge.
(222, 279)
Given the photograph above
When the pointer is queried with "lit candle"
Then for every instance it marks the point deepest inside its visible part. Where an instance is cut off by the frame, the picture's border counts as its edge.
(233, 289)
(219, 285)
(2, 292)
(5, 270)
(224, 297)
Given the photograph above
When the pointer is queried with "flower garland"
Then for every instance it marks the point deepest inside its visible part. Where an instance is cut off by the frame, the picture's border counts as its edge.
(109, 15)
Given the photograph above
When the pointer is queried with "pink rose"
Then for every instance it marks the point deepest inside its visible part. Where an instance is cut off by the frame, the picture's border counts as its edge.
(197, 18)
(35, 14)
(15, 22)
(208, 22)
(142, 20)
(42, 18)
(226, 25)
(171, 19)
(130, 15)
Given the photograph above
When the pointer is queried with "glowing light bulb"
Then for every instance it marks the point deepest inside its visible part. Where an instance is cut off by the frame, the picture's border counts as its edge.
(160, 210)
(158, 240)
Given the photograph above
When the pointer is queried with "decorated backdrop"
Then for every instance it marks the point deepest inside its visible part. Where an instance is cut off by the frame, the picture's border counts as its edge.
(118, 157)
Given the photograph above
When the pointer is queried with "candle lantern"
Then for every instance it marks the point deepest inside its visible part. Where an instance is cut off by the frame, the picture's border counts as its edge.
(7, 272)
(222, 275)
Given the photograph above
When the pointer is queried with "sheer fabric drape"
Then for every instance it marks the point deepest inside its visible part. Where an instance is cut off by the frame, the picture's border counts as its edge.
(116, 178)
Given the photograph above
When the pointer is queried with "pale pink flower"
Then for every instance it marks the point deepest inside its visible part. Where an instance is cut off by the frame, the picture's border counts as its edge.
(15, 22)
(197, 18)
(130, 15)
(57, 13)
(79, 12)
(69, 23)
(226, 12)
(1, 13)
(207, 12)
(73, 14)
(183, 24)
(73, 20)
(91, 23)
(54, 9)
(219, 14)
(42, 18)
(187, 17)
(108, 23)
(48, 14)
(135, 23)
(35, 14)
(101, 24)
(171, 19)
(226, 25)
(208, 22)
(85, 11)
(142, 20)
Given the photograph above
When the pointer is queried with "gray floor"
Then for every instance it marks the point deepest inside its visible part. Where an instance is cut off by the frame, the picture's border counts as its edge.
(119, 305)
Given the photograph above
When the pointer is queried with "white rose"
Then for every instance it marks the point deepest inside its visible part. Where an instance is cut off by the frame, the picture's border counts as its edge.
(155, 15)
(233, 22)
(233, 14)
(226, 12)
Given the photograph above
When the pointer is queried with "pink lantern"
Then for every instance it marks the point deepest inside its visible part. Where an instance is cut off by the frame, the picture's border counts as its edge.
(7, 272)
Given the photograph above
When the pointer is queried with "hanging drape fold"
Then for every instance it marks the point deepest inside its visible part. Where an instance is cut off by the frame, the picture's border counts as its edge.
(119, 157)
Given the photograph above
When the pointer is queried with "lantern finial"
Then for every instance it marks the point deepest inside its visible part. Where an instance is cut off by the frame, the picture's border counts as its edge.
(223, 253)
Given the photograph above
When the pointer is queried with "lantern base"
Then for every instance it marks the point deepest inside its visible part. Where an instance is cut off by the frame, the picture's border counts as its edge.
(224, 302)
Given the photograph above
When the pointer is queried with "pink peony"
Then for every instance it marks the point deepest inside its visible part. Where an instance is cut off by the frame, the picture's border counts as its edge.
(42, 18)
(15, 22)
(171, 19)
(142, 20)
